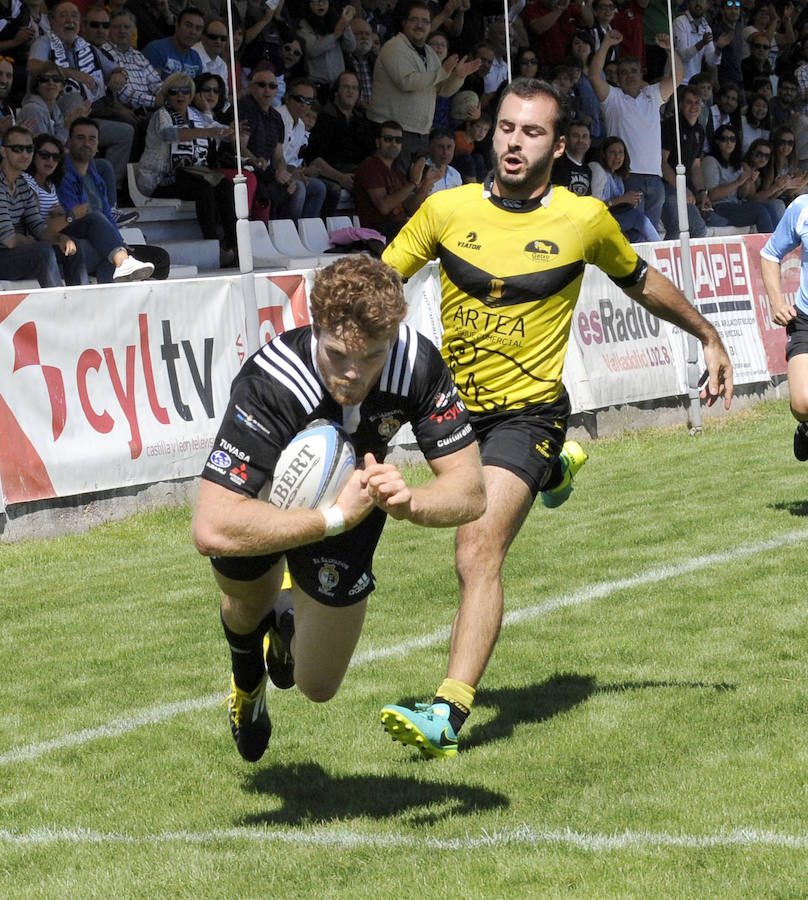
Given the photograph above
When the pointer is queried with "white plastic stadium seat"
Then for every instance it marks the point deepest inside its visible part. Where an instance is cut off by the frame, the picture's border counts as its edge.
(141, 199)
(335, 223)
(313, 235)
(267, 256)
(132, 235)
(284, 236)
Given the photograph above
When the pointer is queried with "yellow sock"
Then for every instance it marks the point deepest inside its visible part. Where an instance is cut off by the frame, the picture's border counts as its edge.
(458, 693)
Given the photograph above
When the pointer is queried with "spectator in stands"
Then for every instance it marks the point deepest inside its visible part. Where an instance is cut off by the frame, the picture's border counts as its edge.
(362, 58)
(603, 11)
(407, 77)
(100, 239)
(7, 118)
(17, 32)
(632, 112)
(267, 32)
(786, 163)
(726, 110)
(757, 62)
(326, 35)
(700, 211)
(320, 199)
(730, 184)
(441, 152)
(450, 16)
(472, 163)
(179, 162)
(525, 63)
(756, 123)
(176, 53)
(769, 188)
(84, 80)
(609, 171)
(654, 22)
(552, 25)
(693, 40)
(155, 20)
(342, 136)
(25, 250)
(570, 170)
(277, 186)
(143, 81)
(496, 38)
(385, 198)
(581, 47)
(440, 44)
(728, 36)
(211, 48)
(786, 103)
(629, 20)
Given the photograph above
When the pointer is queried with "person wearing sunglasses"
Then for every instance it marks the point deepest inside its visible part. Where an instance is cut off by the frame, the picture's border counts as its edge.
(758, 61)
(277, 186)
(84, 80)
(180, 160)
(786, 164)
(730, 184)
(729, 39)
(385, 197)
(27, 248)
(769, 187)
(212, 48)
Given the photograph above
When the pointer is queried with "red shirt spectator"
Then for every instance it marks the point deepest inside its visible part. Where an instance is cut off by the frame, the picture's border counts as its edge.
(551, 25)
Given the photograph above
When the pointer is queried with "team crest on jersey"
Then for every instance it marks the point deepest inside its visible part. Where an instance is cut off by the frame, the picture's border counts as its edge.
(328, 576)
(388, 427)
(541, 250)
(470, 243)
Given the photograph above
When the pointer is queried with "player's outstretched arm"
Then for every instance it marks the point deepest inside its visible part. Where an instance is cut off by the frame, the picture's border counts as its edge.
(782, 311)
(661, 297)
(227, 523)
(454, 496)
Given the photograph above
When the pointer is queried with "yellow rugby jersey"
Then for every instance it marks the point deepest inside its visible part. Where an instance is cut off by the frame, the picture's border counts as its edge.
(510, 279)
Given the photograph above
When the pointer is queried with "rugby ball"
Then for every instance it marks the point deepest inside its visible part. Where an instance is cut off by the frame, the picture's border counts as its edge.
(313, 468)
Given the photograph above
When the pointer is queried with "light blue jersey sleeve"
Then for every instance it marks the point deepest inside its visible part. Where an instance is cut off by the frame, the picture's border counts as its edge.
(792, 232)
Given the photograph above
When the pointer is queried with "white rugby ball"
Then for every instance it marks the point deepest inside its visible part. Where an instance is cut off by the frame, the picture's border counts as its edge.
(313, 468)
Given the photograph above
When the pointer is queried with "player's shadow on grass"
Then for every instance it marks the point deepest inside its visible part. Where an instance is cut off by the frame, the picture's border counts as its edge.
(793, 507)
(539, 702)
(311, 795)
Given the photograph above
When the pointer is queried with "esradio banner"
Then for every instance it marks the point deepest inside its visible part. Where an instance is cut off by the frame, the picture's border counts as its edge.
(102, 389)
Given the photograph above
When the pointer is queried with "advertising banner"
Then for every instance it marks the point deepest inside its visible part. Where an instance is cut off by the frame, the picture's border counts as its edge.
(773, 336)
(100, 392)
(723, 295)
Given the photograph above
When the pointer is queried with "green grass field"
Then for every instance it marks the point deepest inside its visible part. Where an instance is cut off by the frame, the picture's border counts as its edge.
(641, 730)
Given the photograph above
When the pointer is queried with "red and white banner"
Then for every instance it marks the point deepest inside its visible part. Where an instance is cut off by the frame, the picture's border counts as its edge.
(101, 390)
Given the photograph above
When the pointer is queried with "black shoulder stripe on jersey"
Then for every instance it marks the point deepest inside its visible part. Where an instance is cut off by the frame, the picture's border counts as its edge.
(397, 372)
(281, 363)
(494, 291)
(635, 277)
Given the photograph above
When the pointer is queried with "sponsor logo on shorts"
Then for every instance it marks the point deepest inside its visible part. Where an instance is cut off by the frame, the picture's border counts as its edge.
(541, 249)
(220, 459)
(544, 449)
(361, 585)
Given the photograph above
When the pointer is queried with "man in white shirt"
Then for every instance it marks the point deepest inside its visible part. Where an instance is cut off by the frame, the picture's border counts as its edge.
(632, 112)
(211, 47)
(299, 96)
(693, 40)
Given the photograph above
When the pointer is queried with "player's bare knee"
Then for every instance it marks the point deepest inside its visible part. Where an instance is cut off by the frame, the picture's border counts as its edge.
(316, 690)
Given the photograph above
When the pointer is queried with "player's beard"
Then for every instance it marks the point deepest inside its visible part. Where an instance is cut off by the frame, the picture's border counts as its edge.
(530, 180)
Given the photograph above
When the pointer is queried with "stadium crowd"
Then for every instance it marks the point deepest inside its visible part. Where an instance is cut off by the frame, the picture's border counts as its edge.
(372, 105)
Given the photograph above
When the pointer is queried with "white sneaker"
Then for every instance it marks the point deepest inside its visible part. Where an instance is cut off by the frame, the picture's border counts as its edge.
(132, 269)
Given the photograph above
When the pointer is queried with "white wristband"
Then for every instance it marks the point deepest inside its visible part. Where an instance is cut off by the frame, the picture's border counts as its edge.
(334, 521)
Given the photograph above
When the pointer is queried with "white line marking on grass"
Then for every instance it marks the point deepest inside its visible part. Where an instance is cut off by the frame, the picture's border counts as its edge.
(159, 714)
(522, 835)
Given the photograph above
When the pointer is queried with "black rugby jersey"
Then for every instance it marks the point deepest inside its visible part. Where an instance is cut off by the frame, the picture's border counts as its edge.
(278, 392)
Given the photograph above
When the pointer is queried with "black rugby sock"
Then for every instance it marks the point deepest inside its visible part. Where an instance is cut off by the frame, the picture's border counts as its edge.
(247, 655)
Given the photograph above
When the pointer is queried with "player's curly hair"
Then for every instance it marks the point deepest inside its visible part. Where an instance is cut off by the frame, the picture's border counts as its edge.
(358, 296)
